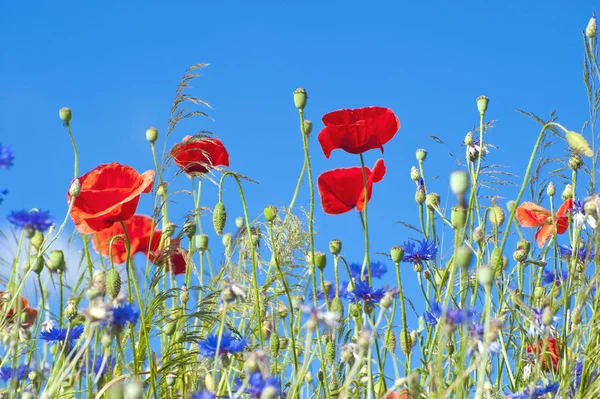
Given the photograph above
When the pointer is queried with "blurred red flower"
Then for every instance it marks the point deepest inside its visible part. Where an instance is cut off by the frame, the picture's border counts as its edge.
(551, 351)
(30, 314)
(109, 193)
(172, 257)
(401, 394)
(197, 155)
(344, 189)
(358, 130)
(532, 215)
(139, 228)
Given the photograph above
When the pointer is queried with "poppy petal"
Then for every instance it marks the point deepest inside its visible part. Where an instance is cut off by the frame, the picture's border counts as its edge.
(565, 208)
(531, 215)
(544, 234)
(197, 155)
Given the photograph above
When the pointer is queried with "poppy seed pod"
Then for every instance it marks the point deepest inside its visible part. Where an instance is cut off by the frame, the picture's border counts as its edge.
(525, 245)
(496, 216)
(75, 188)
(335, 247)
(113, 283)
(591, 29)
(36, 264)
(201, 241)
(579, 144)
(459, 182)
(432, 200)
(397, 253)
(414, 173)
(550, 189)
(458, 217)
(300, 98)
(189, 229)
(420, 195)
(575, 162)
(270, 213)
(219, 217)
(482, 104)
(57, 260)
(320, 260)
(65, 114)
(152, 135)
(567, 192)
(307, 127)
(421, 155)
(464, 255)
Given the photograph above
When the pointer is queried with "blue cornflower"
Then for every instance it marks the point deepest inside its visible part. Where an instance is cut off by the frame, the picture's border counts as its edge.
(7, 156)
(257, 383)
(476, 331)
(123, 314)
(579, 216)
(61, 334)
(566, 251)
(555, 278)
(205, 394)
(430, 318)
(8, 373)
(378, 269)
(228, 344)
(365, 293)
(425, 251)
(537, 392)
(96, 365)
(36, 219)
(453, 315)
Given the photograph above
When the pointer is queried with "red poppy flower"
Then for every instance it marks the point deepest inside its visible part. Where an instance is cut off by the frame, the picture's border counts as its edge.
(30, 314)
(532, 215)
(551, 352)
(109, 193)
(401, 394)
(344, 189)
(139, 228)
(172, 257)
(197, 155)
(358, 130)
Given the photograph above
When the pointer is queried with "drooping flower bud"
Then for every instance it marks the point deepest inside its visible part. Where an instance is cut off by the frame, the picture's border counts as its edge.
(497, 261)
(300, 98)
(390, 342)
(219, 217)
(567, 192)
(547, 317)
(459, 182)
(275, 345)
(539, 291)
(575, 161)
(335, 247)
(57, 260)
(421, 155)
(330, 352)
(65, 114)
(591, 30)
(579, 144)
(201, 241)
(270, 213)
(75, 188)
(482, 104)
(414, 173)
(169, 327)
(113, 283)
(550, 189)
(307, 127)
(152, 135)
(397, 253)
(458, 217)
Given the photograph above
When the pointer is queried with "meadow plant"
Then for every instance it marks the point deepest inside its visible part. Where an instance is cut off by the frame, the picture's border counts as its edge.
(508, 305)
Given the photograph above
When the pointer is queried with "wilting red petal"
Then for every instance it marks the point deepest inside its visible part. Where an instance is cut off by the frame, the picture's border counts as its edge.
(28, 321)
(565, 208)
(343, 189)
(552, 353)
(531, 215)
(358, 130)
(544, 234)
(197, 155)
(173, 257)
(109, 193)
(139, 228)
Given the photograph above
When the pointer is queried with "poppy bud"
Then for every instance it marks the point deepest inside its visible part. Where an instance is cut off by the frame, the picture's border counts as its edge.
(57, 260)
(579, 144)
(464, 255)
(320, 260)
(520, 255)
(458, 217)
(497, 215)
(432, 200)
(390, 342)
(420, 195)
(497, 261)
(405, 342)
(459, 182)
(65, 115)
(478, 234)
(75, 188)
(550, 189)
(418, 267)
(37, 240)
(330, 352)
(113, 283)
(270, 213)
(482, 104)
(71, 311)
(219, 217)
(421, 154)
(189, 229)
(335, 247)
(202, 241)
(307, 127)
(152, 135)
(36, 264)
(591, 30)
(567, 192)
(338, 308)
(539, 292)
(397, 253)
(414, 174)
(469, 139)
(575, 161)
(275, 345)
(300, 98)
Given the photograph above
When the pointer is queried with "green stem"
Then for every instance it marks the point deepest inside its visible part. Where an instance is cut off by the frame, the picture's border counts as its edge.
(365, 223)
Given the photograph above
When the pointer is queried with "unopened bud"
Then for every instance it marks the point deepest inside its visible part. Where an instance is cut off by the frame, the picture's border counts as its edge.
(270, 213)
(219, 217)
(432, 200)
(567, 192)
(458, 217)
(579, 144)
(478, 234)
(420, 195)
(464, 255)
(550, 189)
(469, 139)
(547, 317)
(414, 174)
(496, 215)
(591, 30)
(71, 311)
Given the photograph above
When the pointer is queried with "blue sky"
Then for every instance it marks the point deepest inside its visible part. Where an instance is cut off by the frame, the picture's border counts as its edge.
(117, 66)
